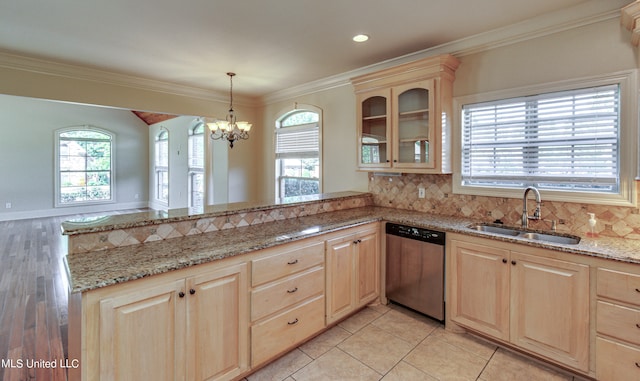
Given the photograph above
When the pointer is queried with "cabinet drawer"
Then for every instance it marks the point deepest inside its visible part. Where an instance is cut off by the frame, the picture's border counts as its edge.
(286, 292)
(618, 285)
(616, 362)
(620, 322)
(276, 266)
(285, 330)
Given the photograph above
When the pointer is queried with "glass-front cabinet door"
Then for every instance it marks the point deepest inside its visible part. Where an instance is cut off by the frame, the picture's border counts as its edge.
(374, 119)
(413, 122)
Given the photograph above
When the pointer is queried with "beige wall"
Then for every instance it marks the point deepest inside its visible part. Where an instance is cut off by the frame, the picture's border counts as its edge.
(338, 139)
(599, 48)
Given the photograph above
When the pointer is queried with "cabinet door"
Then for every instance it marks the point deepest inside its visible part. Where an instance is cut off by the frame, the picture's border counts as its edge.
(340, 277)
(480, 288)
(368, 265)
(374, 122)
(550, 308)
(142, 334)
(218, 345)
(414, 125)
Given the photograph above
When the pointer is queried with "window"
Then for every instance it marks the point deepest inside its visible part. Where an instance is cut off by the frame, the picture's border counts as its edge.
(162, 166)
(298, 154)
(196, 166)
(84, 166)
(566, 141)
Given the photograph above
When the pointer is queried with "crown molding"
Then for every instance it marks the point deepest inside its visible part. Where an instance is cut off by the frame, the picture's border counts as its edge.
(13, 61)
(584, 14)
(587, 13)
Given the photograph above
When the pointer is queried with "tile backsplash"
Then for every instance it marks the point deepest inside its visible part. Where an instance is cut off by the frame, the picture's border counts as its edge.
(402, 192)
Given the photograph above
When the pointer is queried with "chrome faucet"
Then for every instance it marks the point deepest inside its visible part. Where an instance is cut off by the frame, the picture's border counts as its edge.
(536, 213)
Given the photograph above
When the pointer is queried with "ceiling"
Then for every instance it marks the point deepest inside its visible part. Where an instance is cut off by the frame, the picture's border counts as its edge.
(271, 45)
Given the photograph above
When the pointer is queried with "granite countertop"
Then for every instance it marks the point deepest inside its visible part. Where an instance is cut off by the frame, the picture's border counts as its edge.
(102, 268)
(154, 217)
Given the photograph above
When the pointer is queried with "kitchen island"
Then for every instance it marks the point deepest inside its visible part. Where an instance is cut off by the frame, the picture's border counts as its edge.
(237, 239)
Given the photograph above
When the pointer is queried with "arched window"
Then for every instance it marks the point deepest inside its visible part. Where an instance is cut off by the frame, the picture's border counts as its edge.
(162, 166)
(196, 166)
(84, 166)
(298, 152)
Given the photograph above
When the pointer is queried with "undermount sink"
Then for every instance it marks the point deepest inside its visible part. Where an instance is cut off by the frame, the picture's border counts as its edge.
(536, 236)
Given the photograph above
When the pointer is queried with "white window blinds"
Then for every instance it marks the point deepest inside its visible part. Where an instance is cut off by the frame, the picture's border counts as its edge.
(562, 141)
(301, 141)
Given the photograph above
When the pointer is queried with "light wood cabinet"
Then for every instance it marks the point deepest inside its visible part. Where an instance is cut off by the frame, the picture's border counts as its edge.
(187, 325)
(480, 288)
(287, 298)
(618, 325)
(217, 317)
(150, 323)
(404, 116)
(550, 308)
(353, 271)
(536, 303)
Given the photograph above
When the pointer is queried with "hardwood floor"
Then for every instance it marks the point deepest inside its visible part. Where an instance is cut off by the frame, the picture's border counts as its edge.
(33, 299)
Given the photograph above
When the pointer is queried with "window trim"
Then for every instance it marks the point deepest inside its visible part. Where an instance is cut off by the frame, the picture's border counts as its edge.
(157, 169)
(56, 176)
(628, 160)
(193, 171)
(284, 114)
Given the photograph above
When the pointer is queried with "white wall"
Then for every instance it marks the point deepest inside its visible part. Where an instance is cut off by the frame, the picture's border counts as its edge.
(216, 164)
(27, 162)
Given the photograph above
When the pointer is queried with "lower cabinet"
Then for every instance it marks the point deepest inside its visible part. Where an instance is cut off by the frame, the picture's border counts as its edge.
(536, 303)
(193, 328)
(618, 324)
(353, 270)
(287, 298)
(220, 320)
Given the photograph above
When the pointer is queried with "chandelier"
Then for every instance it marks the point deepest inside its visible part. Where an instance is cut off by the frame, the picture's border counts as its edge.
(229, 129)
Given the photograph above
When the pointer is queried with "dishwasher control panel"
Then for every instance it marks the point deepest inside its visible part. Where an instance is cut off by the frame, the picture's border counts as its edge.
(420, 234)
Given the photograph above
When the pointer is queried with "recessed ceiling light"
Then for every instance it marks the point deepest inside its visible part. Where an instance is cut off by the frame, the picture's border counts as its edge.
(360, 38)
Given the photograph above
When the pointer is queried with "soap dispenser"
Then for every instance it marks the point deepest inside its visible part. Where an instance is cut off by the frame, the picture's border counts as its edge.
(592, 225)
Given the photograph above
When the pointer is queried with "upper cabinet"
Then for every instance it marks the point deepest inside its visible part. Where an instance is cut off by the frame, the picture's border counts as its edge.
(404, 116)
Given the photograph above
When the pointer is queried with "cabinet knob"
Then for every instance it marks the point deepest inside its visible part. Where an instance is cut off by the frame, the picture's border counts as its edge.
(638, 364)
(192, 291)
(637, 289)
(637, 325)
(292, 291)
(181, 294)
(513, 262)
(504, 260)
(293, 322)
(292, 262)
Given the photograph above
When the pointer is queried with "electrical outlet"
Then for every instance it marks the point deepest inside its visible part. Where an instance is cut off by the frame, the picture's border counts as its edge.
(7, 205)
(421, 193)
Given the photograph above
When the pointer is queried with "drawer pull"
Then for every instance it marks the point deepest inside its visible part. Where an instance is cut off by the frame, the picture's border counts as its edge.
(637, 325)
(296, 289)
(296, 322)
(637, 364)
(292, 262)
(637, 289)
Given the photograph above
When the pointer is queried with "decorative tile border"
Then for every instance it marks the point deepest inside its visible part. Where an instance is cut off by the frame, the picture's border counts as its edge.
(93, 241)
(402, 192)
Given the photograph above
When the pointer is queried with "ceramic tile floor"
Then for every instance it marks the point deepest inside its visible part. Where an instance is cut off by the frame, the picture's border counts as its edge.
(391, 343)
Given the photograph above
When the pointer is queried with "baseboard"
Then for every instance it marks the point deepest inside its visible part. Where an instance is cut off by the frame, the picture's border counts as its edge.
(56, 212)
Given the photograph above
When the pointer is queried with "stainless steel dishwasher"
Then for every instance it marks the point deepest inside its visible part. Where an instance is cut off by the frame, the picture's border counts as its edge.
(415, 269)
